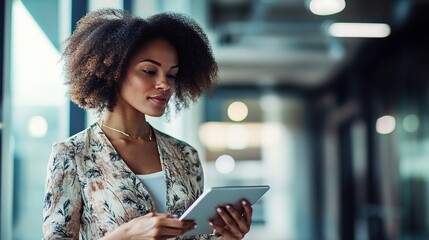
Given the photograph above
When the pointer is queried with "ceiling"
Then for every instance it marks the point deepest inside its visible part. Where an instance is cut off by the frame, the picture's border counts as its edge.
(280, 42)
(272, 42)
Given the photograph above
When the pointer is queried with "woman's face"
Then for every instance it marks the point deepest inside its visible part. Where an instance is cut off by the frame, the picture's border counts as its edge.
(150, 78)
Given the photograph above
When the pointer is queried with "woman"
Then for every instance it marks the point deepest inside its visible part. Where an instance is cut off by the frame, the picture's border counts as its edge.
(120, 178)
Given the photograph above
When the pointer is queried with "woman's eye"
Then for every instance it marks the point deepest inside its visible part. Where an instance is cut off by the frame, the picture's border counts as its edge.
(172, 77)
(149, 72)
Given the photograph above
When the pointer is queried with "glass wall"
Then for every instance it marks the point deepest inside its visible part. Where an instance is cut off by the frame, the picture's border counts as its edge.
(371, 130)
(254, 135)
(38, 108)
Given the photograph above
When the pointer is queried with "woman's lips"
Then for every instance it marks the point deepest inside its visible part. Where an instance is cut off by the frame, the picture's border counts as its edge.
(159, 100)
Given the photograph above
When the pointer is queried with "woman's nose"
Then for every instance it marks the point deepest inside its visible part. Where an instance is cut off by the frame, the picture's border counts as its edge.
(163, 83)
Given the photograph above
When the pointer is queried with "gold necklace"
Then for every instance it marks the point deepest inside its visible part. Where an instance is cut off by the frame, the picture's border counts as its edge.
(126, 134)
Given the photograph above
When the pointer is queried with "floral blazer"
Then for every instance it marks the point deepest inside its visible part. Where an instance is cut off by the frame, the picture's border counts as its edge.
(90, 190)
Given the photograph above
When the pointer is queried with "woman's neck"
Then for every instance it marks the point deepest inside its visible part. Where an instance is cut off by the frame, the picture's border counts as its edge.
(130, 123)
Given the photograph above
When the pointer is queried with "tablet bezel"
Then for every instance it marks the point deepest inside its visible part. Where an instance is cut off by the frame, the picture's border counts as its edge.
(204, 208)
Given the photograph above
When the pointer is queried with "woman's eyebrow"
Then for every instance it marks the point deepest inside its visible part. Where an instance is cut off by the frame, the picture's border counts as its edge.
(157, 63)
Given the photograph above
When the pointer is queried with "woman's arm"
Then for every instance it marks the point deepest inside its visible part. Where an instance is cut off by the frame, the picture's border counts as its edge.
(151, 226)
(63, 202)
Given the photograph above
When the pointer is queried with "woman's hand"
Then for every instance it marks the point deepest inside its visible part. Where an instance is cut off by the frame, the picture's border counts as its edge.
(151, 226)
(237, 225)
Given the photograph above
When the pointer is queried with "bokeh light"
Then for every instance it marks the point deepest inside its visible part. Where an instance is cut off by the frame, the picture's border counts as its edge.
(225, 164)
(237, 111)
(411, 123)
(385, 124)
(37, 127)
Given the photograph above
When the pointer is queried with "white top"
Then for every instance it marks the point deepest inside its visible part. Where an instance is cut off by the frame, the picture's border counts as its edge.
(155, 184)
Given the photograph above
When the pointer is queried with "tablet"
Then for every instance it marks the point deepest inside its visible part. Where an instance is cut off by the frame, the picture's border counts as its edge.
(204, 208)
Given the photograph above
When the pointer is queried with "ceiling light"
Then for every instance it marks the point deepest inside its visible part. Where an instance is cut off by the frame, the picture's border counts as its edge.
(411, 123)
(385, 124)
(37, 126)
(225, 164)
(327, 7)
(238, 137)
(237, 111)
(359, 30)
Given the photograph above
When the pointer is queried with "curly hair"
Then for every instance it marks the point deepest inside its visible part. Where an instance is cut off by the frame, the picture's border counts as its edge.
(98, 52)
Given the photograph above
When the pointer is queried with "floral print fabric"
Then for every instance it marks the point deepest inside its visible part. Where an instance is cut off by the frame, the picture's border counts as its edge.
(90, 190)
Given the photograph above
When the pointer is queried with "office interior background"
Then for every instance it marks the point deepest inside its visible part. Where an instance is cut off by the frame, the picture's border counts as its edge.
(335, 121)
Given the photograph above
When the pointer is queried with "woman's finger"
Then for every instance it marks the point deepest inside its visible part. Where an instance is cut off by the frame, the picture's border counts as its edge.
(231, 223)
(171, 232)
(175, 223)
(237, 224)
(168, 225)
(221, 231)
(240, 221)
(248, 211)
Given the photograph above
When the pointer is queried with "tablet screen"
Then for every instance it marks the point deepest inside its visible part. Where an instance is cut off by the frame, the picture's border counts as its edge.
(204, 208)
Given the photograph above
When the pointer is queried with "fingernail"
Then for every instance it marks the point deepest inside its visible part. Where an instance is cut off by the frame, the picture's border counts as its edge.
(228, 206)
(218, 210)
(195, 226)
(211, 224)
(244, 202)
(175, 216)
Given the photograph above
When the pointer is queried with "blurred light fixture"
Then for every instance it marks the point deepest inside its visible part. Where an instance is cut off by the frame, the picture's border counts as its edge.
(238, 137)
(225, 164)
(359, 30)
(37, 127)
(411, 123)
(220, 136)
(385, 124)
(326, 7)
(213, 136)
(237, 111)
